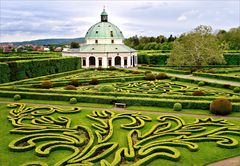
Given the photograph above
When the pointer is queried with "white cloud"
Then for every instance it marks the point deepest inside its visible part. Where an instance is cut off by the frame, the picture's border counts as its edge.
(23, 20)
(182, 18)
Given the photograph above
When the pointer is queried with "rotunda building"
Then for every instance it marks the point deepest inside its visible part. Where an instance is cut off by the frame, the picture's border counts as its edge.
(104, 47)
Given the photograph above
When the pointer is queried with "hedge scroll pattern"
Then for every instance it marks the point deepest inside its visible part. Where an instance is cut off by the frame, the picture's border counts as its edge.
(44, 133)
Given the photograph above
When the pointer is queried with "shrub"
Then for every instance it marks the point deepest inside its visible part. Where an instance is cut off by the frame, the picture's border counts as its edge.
(94, 81)
(150, 76)
(177, 107)
(73, 100)
(221, 106)
(227, 86)
(16, 97)
(70, 87)
(74, 82)
(123, 80)
(112, 68)
(160, 76)
(198, 93)
(145, 87)
(47, 84)
(99, 68)
(106, 88)
(136, 72)
(236, 90)
(211, 71)
(147, 72)
(173, 78)
(201, 83)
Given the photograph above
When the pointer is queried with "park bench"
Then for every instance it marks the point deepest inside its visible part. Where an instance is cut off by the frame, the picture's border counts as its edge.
(120, 105)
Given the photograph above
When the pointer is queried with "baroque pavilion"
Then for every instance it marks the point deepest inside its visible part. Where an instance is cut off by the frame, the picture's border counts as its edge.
(104, 47)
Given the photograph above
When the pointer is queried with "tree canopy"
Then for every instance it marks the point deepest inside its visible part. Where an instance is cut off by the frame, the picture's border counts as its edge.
(74, 45)
(196, 49)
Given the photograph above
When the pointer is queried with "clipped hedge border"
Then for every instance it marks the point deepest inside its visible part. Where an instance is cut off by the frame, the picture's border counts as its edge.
(187, 104)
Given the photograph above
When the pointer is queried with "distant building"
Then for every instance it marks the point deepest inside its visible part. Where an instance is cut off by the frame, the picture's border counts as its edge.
(104, 47)
(7, 47)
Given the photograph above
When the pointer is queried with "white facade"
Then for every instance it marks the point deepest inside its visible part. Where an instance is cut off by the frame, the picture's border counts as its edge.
(104, 47)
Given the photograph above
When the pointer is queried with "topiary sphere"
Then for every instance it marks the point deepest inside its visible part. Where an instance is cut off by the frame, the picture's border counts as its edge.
(198, 93)
(94, 81)
(236, 90)
(160, 76)
(47, 84)
(221, 106)
(150, 76)
(70, 87)
(177, 107)
(201, 83)
(16, 97)
(73, 100)
(74, 82)
(106, 88)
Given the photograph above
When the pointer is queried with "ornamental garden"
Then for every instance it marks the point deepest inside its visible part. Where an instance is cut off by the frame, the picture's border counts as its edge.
(54, 112)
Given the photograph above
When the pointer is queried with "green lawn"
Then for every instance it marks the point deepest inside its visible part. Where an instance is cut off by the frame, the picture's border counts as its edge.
(133, 138)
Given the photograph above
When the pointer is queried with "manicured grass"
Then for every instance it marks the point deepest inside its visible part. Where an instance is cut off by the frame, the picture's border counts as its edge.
(207, 152)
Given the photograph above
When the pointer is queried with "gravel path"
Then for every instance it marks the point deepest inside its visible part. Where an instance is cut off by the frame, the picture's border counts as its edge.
(205, 79)
(234, 161)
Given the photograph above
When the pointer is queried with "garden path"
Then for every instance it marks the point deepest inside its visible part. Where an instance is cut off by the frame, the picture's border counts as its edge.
(234, 161)
(232, 83)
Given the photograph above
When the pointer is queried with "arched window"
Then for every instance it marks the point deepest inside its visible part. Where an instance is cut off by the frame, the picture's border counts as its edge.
(117, 61)
(92, 61)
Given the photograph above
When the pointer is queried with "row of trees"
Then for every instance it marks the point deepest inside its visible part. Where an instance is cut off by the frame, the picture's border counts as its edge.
(230, 38)
(150, 43)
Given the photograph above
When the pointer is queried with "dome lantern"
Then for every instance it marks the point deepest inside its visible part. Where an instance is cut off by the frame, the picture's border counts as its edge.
(104, 16)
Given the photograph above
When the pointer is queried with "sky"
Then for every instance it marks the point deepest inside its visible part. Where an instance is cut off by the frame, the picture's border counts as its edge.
(23, 20)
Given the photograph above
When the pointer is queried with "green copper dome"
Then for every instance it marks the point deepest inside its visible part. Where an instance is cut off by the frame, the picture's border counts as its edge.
(104, 30)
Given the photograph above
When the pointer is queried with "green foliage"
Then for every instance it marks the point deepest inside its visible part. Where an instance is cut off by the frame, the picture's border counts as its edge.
(150, 76)
(198, 93)
(94, 81)
(236, 90)
(4, 73)
(112, 68)
(232, 38)
(73, 100)
(161, 76)
(16, 97)
(97, 139)
(47, 84)
(106, 88)
(201, 83)
(74, 45)
(70, 87)
(74, 82)
(197, 48)
(177, 107)
(136, 72)
(147, 72)
(221, 106)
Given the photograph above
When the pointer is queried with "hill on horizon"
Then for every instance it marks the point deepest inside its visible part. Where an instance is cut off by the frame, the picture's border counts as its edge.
(60, 41)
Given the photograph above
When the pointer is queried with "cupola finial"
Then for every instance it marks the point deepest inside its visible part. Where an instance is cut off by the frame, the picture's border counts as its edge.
(104, 15)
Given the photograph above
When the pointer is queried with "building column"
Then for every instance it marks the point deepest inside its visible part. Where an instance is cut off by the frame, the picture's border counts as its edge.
(136, 60)
(122, 61)
(96, 62)
(87, 62)
(113, 61)
(129, 61)
(104, 62)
